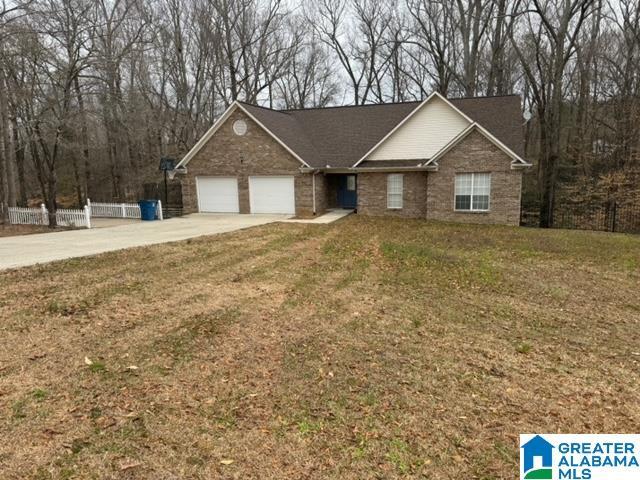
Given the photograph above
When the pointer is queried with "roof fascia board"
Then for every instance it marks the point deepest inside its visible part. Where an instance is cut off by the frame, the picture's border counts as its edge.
(406, 119)
(209, 133)
(448, 102)
(395, 169)
(352, 170)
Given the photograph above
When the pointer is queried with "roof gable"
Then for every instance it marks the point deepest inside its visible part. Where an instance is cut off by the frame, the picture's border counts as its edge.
(428, 128)
(208, 134)
(517, 160)
(250, 111)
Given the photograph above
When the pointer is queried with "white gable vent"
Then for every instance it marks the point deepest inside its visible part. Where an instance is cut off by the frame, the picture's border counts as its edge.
(240, 127)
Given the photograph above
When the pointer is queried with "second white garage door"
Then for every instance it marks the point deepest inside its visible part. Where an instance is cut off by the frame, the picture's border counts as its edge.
(217, 194)
(272, 195)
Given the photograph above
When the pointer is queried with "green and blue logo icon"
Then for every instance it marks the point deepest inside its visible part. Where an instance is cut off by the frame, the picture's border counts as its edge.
(537, 459)
(561, 456)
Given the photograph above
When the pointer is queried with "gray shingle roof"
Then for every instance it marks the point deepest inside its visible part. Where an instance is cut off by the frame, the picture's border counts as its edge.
(340, 136)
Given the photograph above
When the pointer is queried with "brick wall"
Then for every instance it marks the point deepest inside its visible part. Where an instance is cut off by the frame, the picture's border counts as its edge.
(255, 153)
(304, 199)
(431, 195)
(372, 195)
(475, 154)
(425, 195)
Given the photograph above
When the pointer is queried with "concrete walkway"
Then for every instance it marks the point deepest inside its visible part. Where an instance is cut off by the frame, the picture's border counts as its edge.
(329, 217)
(26, 250)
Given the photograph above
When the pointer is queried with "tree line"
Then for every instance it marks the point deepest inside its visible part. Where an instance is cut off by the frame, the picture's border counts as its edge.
(94, 92)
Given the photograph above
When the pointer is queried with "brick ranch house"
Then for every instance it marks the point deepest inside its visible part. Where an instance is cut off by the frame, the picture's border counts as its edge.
(455, 160)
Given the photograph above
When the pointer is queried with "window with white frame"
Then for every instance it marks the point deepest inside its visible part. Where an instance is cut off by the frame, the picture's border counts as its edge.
(394, 190)
(473, 191)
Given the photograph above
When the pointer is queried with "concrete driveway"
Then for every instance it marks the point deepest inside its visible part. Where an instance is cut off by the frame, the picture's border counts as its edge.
(47, 247)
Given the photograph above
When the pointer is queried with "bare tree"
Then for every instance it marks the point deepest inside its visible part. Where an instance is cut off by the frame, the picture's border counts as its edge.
(120, 29)
(308, 80)
(546, 43)
(252, 49)
(498, 68)
(360, 45)
(9, 13)
(472, 19)
(620, 91)
(582, 94)
(434, 32)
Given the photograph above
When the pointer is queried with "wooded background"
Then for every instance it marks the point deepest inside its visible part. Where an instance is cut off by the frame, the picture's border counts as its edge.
(94, 92)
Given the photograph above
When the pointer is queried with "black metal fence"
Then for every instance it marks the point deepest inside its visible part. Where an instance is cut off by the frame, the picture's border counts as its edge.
(607, 217)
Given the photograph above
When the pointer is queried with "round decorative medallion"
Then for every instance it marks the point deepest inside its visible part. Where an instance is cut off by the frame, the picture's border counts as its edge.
(240, 127)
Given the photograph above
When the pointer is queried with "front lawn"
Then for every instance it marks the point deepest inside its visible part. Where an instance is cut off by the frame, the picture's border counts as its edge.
(367, 348)
(7, 230)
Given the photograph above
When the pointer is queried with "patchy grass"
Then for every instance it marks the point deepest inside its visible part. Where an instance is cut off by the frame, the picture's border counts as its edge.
(7, 230)
(364, 349)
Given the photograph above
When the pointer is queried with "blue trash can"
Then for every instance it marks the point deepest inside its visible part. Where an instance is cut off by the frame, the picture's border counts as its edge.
(148, 209)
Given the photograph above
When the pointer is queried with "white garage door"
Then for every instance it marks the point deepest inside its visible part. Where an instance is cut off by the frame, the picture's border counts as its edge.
(272, 195)
(217, 194)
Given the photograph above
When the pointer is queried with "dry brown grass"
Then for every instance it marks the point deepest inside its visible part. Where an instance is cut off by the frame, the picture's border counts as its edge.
(14, 230)
(363, 349)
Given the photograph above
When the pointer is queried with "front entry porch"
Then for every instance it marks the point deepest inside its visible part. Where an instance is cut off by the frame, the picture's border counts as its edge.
(342, 190)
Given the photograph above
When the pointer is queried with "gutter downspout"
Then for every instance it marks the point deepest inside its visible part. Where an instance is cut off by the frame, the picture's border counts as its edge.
(313, 187)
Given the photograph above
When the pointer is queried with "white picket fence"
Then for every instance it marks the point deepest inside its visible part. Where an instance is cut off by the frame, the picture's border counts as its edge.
(77, 217)
(40, 216)
(28, 216)
(114, 210)
(74, 217)
(118, 210)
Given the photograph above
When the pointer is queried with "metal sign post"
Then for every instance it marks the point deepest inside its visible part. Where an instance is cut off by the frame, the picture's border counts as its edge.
(167, 164)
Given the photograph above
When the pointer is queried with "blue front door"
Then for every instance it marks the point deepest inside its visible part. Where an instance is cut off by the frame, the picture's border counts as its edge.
(347, 193)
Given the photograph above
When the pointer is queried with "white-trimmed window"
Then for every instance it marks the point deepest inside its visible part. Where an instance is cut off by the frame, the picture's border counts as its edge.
(394, 190)
(473, 191)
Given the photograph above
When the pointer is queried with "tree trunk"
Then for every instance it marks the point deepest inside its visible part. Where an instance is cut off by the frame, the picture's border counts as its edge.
(37, 161)
(19, 154)
(548, 167)
(4, 199)
(3, 186)
(76, 178)
(496, 82)
(84, 138)
(50, 200)
(547, 176)
(7, 185)
(5, 139)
